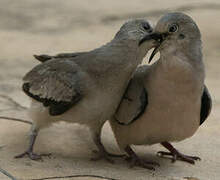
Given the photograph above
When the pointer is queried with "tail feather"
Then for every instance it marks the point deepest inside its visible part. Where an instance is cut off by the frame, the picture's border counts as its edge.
(43, 57)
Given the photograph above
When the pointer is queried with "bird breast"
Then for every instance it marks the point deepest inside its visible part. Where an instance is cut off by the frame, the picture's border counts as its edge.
(174, 99)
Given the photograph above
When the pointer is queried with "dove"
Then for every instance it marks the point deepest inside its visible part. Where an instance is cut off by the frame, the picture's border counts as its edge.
(167, 101)
(85, 88)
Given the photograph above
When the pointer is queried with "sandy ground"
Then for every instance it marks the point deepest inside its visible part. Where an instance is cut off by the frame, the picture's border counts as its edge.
(30, 27)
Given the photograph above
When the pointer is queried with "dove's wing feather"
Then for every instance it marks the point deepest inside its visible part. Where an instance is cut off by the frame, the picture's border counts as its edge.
(55, 83)
(134, 101)
(45, 57)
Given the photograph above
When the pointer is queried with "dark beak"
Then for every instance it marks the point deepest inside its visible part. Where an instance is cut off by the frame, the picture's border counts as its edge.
(155, 36)
(153, 53)
(162, 38)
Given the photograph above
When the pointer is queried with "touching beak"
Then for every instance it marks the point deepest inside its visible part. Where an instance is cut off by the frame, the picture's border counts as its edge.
(155, 36)
(156, 49)
(159, 37)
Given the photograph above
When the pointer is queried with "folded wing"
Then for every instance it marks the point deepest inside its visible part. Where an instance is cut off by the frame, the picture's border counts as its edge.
(134, 101)
(57, 84)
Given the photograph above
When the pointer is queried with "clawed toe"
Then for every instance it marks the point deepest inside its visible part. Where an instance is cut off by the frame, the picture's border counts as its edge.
(116, 155)
(178, 156)
(106, 155)
(100, 156)
(196, 158)
(141, 163)
(134, 160)
(32, 155)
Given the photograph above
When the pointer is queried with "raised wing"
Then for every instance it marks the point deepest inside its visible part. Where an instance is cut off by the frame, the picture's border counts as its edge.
(206, 105)
(57, 84)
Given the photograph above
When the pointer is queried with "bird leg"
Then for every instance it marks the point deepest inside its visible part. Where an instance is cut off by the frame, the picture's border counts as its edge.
(176, 155)
(29, 151)
(136, 161)
(102, 153)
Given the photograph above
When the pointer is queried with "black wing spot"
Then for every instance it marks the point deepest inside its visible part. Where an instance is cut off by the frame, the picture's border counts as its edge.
(205, 107)
(58, 108)
(55, 107)
(26, 89)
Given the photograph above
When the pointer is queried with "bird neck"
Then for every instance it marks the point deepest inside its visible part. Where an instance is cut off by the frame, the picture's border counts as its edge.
(124, 44)
(181, 62)
(190, 54)
(123, 52)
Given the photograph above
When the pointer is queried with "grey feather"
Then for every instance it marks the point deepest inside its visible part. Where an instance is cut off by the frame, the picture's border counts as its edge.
(56, 80)
(135, 100)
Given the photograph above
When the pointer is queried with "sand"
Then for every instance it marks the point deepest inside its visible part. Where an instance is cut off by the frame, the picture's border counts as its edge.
(30, 27)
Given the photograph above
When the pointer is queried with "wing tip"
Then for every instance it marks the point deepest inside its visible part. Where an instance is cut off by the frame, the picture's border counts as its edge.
(42, 58)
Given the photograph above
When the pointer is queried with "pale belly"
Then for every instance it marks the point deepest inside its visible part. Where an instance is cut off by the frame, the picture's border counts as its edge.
(90, 111)
(171, 123)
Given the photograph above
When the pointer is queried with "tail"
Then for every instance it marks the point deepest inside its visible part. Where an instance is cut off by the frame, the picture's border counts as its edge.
(43, 58)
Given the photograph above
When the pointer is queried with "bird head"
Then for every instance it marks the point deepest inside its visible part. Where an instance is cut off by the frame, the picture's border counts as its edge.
(133, 31)
(176, 32)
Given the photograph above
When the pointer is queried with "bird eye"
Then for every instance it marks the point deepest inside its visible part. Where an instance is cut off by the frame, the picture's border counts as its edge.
(146, 27)
(173, 28)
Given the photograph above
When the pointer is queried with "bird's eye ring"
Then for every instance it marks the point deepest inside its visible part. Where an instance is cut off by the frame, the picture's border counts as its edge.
(173, 28)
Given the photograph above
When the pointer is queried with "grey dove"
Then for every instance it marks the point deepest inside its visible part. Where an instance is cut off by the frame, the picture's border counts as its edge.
(166, 101)
(85, 88)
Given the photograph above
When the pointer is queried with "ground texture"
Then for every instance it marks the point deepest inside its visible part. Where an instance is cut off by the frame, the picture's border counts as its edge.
(30, 27)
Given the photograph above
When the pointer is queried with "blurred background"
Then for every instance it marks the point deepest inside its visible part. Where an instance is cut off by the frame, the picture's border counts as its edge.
(30, 27)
